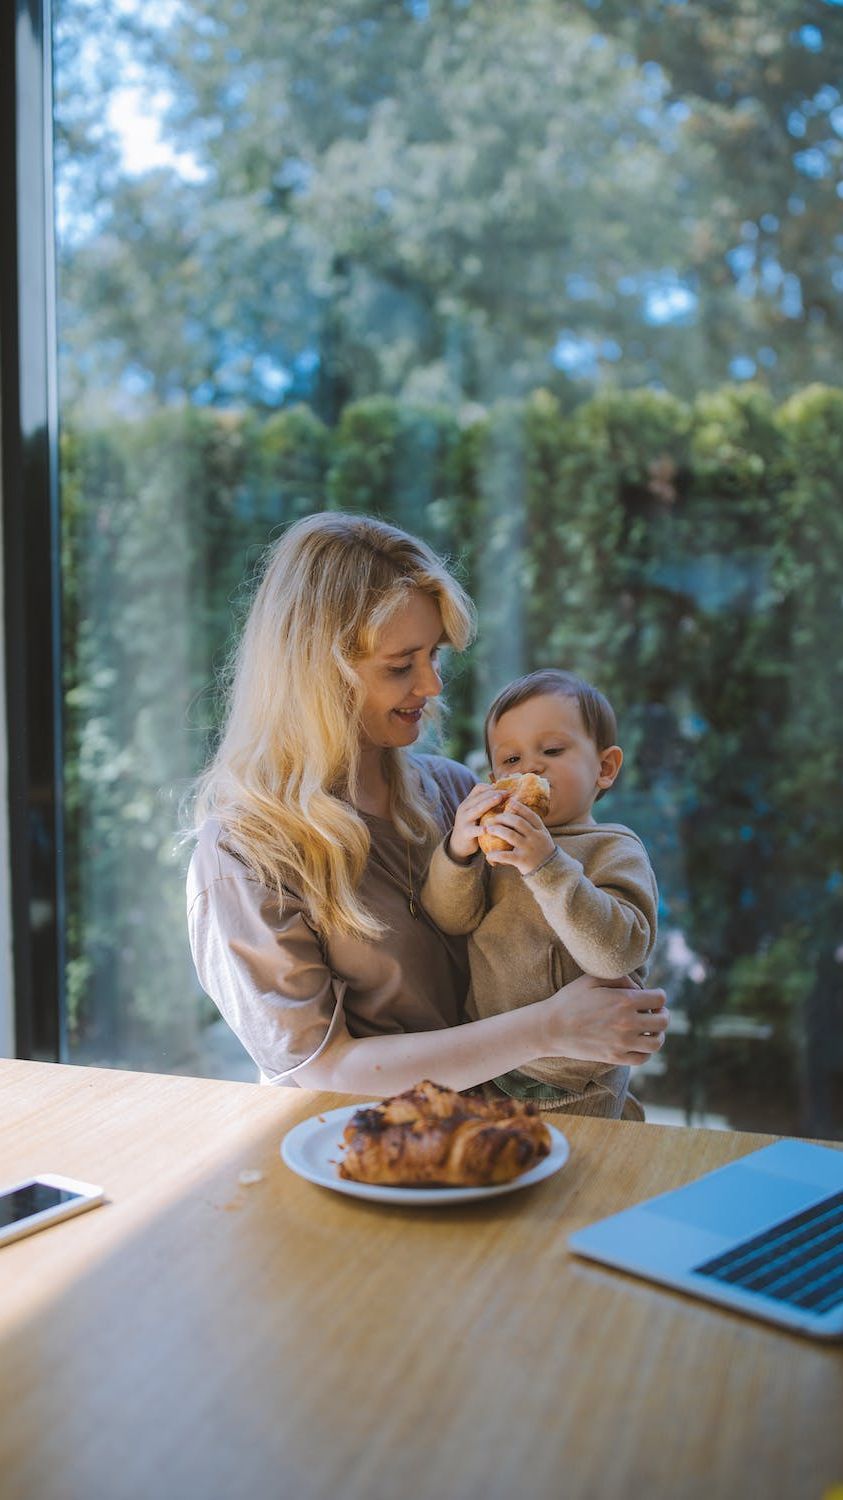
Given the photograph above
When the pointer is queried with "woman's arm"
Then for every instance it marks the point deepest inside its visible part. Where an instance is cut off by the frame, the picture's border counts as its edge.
(588, 1019)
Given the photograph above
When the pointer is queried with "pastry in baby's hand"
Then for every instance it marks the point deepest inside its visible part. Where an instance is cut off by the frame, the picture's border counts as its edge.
(431, 1136)
(533, 791)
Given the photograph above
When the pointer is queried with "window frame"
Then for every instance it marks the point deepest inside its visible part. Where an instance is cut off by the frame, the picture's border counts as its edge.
(31, 531)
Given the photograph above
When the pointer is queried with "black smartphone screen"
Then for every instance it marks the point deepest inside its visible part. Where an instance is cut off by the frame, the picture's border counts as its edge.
(31, 1199)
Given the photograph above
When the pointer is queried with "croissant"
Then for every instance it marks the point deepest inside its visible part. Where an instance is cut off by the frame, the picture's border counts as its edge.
(533, 791)
(433, 1137)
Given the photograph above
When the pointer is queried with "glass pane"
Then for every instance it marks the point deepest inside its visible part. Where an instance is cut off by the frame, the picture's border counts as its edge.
(556, 287)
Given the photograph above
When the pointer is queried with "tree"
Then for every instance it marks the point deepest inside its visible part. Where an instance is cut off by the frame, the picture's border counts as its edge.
(455, 203)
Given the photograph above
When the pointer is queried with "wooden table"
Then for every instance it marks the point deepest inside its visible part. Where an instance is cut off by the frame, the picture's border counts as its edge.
(196, 1338)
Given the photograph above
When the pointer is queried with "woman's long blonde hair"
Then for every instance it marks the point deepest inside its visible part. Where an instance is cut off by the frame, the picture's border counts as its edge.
(283, 780)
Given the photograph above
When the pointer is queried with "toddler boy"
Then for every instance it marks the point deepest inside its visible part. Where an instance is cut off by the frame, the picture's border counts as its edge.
(570, 897)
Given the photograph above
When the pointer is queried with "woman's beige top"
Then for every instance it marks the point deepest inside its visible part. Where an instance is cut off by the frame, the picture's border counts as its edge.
(284, 988)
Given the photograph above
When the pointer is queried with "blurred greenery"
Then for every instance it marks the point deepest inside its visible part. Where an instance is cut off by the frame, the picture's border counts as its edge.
(448, 200)
(555, 284)
(687, 557)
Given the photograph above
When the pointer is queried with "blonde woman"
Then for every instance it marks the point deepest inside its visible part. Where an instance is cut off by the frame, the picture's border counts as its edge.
(315, 823)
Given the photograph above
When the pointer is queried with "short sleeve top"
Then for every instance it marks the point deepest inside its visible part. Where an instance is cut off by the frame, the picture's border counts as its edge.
(284, 987)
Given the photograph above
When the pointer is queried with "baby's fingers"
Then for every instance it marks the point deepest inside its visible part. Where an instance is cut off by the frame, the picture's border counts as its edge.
(507, 823)
(481, 798)
(528, 814)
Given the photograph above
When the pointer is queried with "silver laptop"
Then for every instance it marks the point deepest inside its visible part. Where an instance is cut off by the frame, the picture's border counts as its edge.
(763, 1236)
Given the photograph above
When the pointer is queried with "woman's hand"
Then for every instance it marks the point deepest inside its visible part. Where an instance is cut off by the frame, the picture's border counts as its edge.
(522, 828)
(463, 841)
(605, 1020)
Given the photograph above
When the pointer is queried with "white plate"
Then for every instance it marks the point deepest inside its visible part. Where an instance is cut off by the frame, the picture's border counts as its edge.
(313, 1149)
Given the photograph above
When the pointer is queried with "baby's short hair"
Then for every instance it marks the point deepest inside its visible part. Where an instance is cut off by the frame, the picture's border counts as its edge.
(597, 713)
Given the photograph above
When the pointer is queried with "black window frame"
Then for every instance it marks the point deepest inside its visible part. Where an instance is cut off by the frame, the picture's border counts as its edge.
(31, 530)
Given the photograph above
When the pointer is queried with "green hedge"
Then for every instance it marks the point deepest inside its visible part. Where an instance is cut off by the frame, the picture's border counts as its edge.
(688, 558)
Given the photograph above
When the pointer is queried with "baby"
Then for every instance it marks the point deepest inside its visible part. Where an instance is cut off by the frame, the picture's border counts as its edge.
(569, 896)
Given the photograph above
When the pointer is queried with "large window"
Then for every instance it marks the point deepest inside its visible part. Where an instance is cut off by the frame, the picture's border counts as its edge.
(557, 285)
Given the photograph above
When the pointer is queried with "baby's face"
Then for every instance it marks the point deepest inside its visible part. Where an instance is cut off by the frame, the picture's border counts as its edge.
(546, 735)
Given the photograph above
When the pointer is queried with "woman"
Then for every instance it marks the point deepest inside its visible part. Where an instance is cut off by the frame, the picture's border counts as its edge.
(315, 825)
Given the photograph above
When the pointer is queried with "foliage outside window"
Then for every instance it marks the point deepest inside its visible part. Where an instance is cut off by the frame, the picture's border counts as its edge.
(558, 287)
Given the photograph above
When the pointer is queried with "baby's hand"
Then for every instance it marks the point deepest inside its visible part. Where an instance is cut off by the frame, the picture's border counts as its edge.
(522, 828)
(463, 841)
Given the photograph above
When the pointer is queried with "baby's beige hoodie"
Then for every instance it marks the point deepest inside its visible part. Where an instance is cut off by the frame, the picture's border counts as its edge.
(591, 908)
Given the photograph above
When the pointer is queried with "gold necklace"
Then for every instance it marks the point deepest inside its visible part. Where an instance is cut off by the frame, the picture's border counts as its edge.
(411, 893)
(407, 887)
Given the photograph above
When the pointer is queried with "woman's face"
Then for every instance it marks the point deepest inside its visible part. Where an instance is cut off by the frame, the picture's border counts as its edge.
(402, 673)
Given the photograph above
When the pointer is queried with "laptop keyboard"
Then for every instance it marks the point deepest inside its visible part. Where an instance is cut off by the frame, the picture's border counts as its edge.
(799, 1261)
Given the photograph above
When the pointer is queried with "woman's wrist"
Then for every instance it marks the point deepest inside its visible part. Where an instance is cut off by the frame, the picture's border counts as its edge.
(546, 1016)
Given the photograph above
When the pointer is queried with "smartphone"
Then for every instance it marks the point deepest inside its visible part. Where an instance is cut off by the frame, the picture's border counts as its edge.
(38, 1202)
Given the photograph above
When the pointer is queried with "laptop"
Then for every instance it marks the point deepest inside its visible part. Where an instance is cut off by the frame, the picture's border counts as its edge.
(763, 1236)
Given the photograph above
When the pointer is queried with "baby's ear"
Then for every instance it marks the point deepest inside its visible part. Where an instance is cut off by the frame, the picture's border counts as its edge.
(611, 760)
